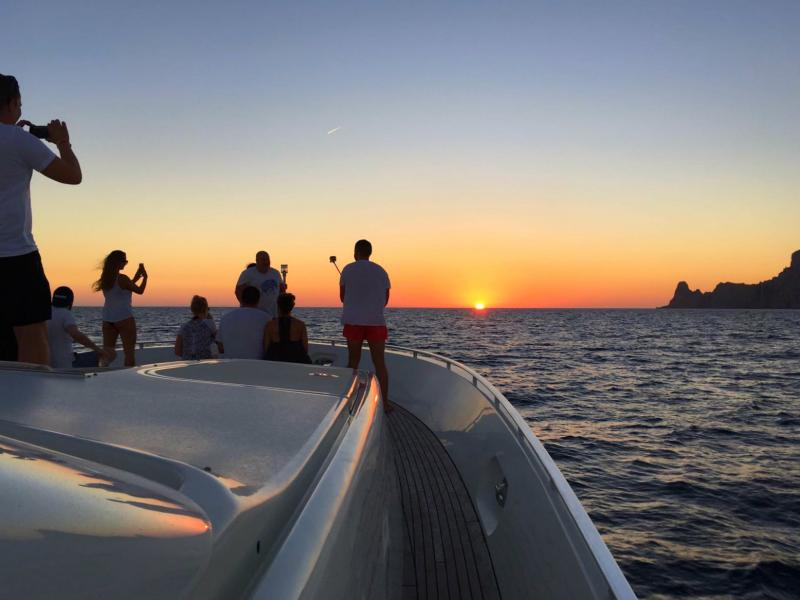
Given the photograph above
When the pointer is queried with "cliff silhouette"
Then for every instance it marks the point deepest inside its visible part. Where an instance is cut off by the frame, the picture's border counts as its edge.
(782, 291)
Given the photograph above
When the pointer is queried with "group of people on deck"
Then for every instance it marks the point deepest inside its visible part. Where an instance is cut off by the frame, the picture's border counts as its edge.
(263, 325)
(38, 328)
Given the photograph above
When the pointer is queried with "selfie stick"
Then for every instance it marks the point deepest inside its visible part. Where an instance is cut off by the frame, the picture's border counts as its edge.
(333, 260)
(284, 271)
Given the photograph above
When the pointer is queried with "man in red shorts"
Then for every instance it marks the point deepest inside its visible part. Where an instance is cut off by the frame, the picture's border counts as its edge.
(364, 291)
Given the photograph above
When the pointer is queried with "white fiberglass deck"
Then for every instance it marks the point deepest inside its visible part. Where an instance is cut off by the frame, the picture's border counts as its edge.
(244, 420)
(288, 466)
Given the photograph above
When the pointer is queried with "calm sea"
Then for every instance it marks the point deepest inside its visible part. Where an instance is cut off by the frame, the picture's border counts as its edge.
(678, 430)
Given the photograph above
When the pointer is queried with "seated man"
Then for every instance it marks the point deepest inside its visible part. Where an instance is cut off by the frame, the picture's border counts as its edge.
(241, 331)
(62, 330)
(286, 338)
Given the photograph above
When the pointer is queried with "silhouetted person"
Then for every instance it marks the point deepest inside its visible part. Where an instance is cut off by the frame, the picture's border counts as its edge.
(364, 291)
(196, 335)
(265, 279)
(241, 331)
(62, 331)
(117, 288)
(24, 289)
(286, 338)
(8, 342)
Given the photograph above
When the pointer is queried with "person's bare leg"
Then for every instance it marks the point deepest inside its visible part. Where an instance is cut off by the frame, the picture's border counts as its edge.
(353, 353)
(378, 352)
(110, 335)
(32, 344)
(127, 331)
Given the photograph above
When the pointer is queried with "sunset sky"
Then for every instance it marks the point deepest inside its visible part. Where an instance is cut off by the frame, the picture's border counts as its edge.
(520, 154)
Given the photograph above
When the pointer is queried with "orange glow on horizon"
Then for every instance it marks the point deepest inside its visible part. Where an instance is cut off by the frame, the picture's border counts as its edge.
(438, 257)
(523, 283)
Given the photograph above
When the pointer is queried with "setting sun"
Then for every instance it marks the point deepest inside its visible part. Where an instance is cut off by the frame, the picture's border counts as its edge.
(479, 306)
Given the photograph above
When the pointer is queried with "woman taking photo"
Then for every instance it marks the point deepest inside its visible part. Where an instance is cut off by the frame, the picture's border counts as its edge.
(117, 311)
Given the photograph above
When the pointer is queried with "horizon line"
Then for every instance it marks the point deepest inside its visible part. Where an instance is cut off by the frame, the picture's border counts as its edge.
(488, 308)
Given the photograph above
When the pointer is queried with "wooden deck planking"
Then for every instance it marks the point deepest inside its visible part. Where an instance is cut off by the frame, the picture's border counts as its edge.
(443, 535)
(459, 569)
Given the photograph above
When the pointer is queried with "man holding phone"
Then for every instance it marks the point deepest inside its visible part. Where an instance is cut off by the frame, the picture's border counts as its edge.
(24, 289)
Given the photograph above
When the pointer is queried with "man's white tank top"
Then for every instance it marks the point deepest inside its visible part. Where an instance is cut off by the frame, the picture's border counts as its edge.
(118, 304)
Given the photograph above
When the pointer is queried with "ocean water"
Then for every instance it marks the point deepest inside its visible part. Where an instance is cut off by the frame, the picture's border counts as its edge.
(678, 430)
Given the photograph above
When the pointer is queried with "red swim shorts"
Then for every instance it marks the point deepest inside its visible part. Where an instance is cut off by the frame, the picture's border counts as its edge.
(371, 333)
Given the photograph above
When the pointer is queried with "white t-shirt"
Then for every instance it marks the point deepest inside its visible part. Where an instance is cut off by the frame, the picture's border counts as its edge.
(20, 154)
(365, 284)
(269, 284)
(241, 332)
(60, 340)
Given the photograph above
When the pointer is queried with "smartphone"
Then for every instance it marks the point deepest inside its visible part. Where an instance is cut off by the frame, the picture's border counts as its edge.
(40, 131)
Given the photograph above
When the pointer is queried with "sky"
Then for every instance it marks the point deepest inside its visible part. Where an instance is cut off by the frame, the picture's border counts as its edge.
(518, 154)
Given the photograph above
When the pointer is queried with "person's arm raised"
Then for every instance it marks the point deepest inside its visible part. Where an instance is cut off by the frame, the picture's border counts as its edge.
(66, 168)
(126, 284)
(143, 284)
(139, 273)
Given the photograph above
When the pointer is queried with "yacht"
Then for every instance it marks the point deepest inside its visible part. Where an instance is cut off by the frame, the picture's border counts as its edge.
(252, 479)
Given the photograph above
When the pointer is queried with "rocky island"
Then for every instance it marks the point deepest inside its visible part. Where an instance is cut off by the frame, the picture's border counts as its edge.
(782, 291)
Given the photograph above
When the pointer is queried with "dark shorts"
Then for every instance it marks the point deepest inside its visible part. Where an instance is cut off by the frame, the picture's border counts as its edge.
(24, 290)
(371, 333)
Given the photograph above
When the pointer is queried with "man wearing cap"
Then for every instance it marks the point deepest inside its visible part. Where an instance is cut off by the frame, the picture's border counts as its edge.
(62, 331)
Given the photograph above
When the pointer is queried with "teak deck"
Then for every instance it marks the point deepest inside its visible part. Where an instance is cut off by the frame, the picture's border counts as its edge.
(446, 555)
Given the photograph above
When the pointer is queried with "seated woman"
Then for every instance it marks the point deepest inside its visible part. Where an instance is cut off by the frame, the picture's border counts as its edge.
(286, 338)
(196, 336)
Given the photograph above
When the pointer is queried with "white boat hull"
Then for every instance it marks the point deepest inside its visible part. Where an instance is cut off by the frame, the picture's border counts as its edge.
(323, 521)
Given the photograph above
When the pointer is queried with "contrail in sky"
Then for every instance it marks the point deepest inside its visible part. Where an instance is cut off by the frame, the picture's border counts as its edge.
(334, 130)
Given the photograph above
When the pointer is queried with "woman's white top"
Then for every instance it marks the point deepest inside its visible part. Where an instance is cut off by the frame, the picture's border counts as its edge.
(118, 304)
